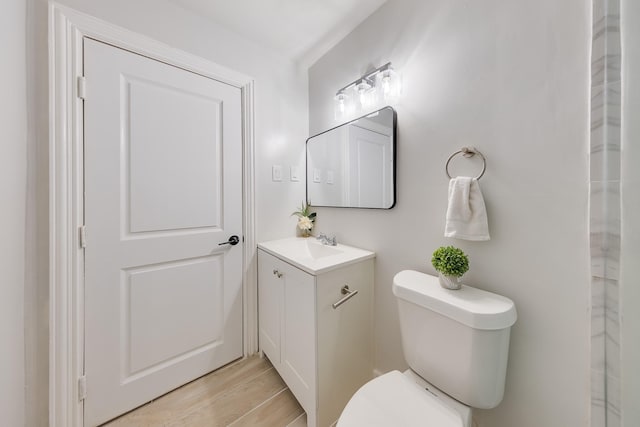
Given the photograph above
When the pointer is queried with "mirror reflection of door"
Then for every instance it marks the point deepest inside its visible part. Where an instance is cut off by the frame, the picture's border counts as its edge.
(369, 166)
(353, 165)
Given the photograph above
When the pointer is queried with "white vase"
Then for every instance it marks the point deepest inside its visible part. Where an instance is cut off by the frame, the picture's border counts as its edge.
(304, 233)
(449, 282)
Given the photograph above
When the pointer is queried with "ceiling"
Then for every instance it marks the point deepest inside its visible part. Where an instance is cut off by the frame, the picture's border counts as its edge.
(302, 30)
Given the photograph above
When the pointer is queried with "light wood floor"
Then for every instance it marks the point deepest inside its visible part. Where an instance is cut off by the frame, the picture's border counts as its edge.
(245, 393)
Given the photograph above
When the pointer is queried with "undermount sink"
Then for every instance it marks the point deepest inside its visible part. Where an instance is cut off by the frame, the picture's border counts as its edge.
(312, 256)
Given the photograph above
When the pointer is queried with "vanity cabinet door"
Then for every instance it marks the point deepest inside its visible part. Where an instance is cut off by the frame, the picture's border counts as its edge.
(270, 299)
(298, 345)
(345, 337)
(287, 325)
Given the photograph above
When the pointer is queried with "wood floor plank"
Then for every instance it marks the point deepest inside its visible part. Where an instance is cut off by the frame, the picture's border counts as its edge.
(246, 393)
(301, 421)
(278, 411)
(234, 403)
(200, 392)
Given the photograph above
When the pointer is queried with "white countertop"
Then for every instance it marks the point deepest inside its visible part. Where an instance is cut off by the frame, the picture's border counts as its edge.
(311, 256)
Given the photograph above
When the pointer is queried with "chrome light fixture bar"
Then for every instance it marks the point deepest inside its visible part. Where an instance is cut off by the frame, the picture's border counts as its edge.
(377, 87)
(367, 78)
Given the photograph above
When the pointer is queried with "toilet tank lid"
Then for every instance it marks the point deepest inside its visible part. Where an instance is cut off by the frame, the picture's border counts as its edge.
(470, 306)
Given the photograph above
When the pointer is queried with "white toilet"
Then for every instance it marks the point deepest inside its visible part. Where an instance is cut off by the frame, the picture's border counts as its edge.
(456, 344)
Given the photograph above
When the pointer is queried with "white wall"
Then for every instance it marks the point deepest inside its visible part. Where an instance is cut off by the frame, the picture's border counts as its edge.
(13, 127)
(511, 78)
(281, 130)
(630, 254)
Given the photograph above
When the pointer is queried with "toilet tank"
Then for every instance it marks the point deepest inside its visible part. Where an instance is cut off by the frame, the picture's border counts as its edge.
(458, 340)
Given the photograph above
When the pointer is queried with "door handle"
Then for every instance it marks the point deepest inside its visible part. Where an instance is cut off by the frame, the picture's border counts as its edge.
(233, 240)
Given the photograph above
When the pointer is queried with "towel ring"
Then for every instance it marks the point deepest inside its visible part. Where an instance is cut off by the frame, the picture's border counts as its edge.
(467, 152)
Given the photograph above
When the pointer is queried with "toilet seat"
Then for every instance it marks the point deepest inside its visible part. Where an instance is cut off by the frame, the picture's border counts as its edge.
(393, 399)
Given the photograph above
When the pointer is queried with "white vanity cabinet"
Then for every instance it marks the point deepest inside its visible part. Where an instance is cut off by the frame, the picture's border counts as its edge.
(324, 354)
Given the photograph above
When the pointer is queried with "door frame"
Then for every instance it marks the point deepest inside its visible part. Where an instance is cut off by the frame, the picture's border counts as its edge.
(67, 28)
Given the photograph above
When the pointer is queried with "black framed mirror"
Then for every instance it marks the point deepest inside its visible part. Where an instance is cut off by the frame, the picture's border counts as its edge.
(354, 165)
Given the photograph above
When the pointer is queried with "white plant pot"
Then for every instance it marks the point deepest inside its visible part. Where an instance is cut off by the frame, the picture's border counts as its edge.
(449, 282)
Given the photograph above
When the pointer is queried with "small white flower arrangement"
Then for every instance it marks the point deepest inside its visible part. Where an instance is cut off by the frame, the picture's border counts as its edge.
(306, 218)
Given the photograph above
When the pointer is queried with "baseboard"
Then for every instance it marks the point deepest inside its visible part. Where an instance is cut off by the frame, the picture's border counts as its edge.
(378, 372)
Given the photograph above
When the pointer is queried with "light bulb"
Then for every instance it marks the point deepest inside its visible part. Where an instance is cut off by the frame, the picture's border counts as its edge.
(340, 107)
(363, 96)
(391, 86)
(386, 82)
(363, 89)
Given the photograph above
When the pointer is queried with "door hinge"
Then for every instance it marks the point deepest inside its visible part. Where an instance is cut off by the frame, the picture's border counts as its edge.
(82, 87)
(82, 387)
(82, 236)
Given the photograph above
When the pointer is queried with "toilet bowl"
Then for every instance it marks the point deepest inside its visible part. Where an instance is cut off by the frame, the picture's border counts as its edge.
(403, 399)
(456, 344)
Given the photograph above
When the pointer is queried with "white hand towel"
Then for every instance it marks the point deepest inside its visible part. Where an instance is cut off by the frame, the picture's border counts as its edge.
(466, 213)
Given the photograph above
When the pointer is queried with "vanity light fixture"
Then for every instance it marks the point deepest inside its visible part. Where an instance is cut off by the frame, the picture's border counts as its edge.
(375, 89)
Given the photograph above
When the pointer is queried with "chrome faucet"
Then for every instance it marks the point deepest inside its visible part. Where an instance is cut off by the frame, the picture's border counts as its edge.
(326, 240)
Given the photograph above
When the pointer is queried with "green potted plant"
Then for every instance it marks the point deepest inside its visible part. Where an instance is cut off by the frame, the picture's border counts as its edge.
(306, 218)
(450, 263)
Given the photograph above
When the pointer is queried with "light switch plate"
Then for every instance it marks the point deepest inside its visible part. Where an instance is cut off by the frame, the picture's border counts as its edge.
(330, 176)
(317, 175)
(294, 173)
(276, 173)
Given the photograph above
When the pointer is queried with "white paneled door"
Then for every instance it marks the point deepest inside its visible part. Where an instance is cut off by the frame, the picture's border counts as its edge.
(163, 190)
